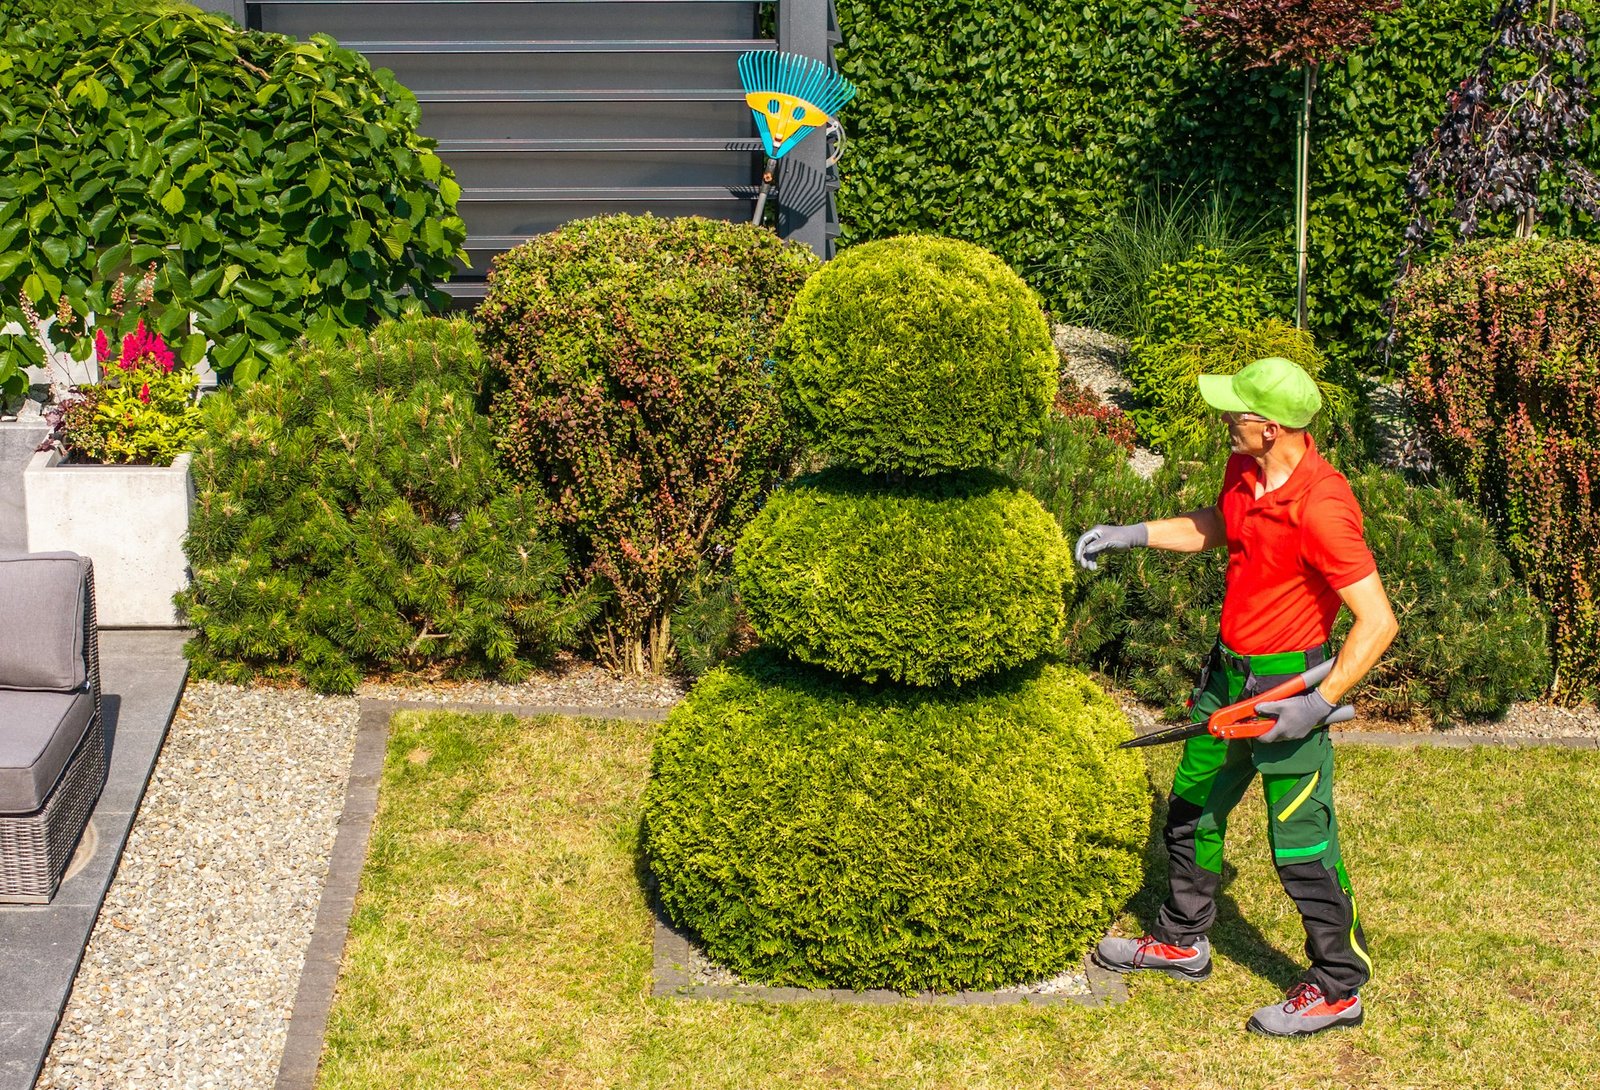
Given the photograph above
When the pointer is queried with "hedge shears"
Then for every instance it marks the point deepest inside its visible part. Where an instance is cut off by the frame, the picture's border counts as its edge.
(1241, 720)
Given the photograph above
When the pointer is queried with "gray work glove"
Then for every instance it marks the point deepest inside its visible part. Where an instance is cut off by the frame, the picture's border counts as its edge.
(1100, 538)
(1297, 716)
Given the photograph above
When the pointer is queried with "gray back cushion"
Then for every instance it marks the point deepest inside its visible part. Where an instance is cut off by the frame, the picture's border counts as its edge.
(41, 639)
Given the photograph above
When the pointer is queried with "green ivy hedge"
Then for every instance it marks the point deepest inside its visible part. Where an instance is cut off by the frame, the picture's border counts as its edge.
(1020, 124)
(278, 187)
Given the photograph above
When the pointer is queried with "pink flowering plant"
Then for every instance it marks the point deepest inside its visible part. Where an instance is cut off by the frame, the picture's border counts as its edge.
(143, 412)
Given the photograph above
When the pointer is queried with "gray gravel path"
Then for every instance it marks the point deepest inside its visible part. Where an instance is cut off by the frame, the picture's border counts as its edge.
(190, 975)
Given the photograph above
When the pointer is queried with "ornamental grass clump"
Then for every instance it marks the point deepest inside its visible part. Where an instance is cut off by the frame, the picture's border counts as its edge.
(1500, 346)
(350, 519)
(934, 805)
(631, 360)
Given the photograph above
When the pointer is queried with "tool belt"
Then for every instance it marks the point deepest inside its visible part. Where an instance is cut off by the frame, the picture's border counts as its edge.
(1283, 662)
(1254, 668)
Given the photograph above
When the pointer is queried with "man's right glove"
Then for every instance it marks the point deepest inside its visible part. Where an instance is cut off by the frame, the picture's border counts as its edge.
(1100, 538)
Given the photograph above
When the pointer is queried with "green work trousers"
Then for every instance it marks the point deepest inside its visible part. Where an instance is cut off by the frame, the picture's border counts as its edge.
(1297, 778)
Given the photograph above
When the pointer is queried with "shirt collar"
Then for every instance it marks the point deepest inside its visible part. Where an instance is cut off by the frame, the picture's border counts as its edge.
(1311, 467)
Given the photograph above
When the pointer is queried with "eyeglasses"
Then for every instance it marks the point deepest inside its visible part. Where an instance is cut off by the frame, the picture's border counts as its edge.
(1244, 418)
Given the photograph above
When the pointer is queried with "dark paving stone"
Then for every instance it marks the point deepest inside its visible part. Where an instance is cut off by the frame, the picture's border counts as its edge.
(142, 677)
(24, 1040)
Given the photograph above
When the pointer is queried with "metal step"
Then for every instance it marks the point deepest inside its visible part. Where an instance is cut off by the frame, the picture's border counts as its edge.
(579, 168)
(598, 45)
(512, 20)
(599, 145)
(463, 118)
(523, 218)
(428, 73)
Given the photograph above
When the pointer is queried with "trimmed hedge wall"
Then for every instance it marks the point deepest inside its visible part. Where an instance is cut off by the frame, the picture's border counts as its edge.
(1020, 124)
(816, 831)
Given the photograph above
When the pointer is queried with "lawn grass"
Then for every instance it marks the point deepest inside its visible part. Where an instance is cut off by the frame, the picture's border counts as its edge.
(501, 940)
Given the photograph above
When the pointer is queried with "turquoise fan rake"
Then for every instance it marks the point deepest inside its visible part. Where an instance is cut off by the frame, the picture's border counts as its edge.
(790, 95)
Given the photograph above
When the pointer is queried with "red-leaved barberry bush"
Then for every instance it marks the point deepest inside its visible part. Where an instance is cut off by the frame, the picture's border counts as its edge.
(1502, 349)
(632, 355)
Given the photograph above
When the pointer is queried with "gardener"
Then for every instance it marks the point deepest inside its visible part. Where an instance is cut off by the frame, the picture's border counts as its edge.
(1295, 552)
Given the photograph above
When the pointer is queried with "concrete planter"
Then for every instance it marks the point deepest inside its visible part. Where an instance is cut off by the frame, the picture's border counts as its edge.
(130, 520)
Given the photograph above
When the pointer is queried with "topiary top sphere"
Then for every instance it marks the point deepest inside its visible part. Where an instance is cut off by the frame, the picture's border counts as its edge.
(816, 831)
(924, 583)
(917, 355)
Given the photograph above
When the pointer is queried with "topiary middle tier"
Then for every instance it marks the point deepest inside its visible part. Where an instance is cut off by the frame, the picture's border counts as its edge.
(817, 831)
(929, 582)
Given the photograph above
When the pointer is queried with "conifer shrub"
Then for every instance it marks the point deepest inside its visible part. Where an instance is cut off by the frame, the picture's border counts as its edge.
(1471, 639)
(1173, 416)
(1501, 346)
(917, 355)
(709, 623)
(925, 583)
(1081, 474)
(631, 357)
(818, 831)
(350, 519)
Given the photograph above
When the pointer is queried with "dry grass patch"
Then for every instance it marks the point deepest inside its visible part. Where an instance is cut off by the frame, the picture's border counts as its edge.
(502, 940)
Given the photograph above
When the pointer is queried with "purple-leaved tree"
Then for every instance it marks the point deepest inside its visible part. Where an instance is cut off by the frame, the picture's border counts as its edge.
(1519, 117)
(1303, 34)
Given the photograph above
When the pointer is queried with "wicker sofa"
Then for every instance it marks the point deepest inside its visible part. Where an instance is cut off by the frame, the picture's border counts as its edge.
(52, 731)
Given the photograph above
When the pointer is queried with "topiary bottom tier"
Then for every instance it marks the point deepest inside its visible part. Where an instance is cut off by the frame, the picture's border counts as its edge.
(815, 831)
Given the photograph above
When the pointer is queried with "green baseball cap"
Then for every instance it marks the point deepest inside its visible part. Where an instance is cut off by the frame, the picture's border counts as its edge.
(1275, 388)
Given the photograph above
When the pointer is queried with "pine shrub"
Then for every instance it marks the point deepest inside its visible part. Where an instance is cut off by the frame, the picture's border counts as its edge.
(1501, 345)
(709, 624)
(1471, 639)
(350, 519)
(1080, 472)
(1172, 415)
(631, 355)
(816, 831)
(917, 355)
(925, 583)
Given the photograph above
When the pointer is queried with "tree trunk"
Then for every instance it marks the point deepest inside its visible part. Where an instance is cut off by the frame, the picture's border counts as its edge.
(1302, 184)
(1530, 216)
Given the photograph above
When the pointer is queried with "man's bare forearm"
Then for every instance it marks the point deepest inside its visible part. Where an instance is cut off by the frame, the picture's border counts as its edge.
(1191, 533)
(1370, 636)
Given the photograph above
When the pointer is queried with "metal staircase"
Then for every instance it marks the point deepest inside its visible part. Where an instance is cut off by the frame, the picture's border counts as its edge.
(554, 110)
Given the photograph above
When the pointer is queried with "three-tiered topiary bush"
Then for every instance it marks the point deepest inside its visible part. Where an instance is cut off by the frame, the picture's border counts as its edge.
(899, 790)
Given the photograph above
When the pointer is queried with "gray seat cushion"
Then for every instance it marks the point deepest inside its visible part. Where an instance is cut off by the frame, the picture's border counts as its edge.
(41, 641)
(38, 733)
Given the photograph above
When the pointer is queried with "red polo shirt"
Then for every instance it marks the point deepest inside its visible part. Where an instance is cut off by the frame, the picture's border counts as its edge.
(1289, 554)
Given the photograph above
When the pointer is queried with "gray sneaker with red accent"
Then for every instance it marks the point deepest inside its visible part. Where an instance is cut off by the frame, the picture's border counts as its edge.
(1134, 955)
(1304, 1011)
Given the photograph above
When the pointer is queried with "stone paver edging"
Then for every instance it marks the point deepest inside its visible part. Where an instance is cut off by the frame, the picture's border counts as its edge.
(314, 999)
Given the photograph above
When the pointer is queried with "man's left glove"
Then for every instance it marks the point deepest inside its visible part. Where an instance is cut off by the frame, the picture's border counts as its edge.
(1297, 716)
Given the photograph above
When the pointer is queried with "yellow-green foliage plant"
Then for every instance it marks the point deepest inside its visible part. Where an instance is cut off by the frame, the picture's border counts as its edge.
(935, 804)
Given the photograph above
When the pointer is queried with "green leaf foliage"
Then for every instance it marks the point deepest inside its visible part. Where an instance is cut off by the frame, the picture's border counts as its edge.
(1472, 639)
(1024, 125)
(1186, 299)
(263, 179)
(816, 831)
(632, 358)
(350, 519)
(1172, 416)
(917, 355)
(1502, 356)
(925, 583)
